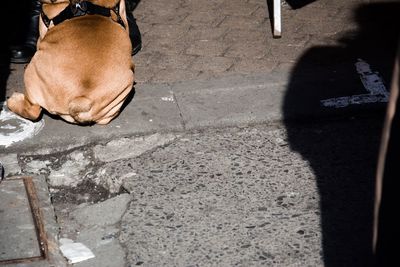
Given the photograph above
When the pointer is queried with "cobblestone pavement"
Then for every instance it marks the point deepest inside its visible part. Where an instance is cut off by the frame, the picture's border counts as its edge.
(203, 39)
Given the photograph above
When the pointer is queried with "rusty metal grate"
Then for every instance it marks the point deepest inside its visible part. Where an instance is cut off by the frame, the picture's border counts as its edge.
(37, 219)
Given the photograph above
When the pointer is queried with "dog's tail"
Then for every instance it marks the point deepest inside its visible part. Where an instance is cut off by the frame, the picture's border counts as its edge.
(79, 109)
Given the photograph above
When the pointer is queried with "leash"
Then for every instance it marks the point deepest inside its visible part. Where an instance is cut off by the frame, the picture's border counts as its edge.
(81, 9)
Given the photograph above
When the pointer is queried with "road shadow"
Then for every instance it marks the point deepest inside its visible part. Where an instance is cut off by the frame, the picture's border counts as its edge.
(14, 27)
(295, 4)
(341, 144)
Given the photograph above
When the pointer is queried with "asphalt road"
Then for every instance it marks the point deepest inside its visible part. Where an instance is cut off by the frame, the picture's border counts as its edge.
(267, 194)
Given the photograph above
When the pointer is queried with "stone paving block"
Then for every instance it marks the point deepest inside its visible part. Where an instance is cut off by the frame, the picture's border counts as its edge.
(242, 22)
(213, 64)
(209, 18)
(164, 61)
(313, 12)
(246, 36)
(166, 46)
(293, 40)
(254, 50)
(346, 12)
(341, 3)
(333, 40)
(292, 25)
(207, 104)
(287, 13)
(324, 27)
(249, 66)
(207, 48)
(152, 115)
(153, 91)
(212, 109)
(104, 213)
(286, 67)
(238, 7)
(262, 12)
(161, 12)
(205, 33)
(167, 31)
(205, 5)
(143, 73)
(285, 53)
(170, 75)
(208, 75)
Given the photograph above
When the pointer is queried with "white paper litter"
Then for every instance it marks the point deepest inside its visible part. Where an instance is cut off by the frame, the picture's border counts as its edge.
(75, 252)
(14, 128)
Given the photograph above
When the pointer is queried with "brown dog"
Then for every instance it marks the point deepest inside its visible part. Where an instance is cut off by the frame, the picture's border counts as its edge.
(83, 69)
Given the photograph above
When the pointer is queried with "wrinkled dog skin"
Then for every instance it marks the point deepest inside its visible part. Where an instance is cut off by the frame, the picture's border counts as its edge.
(82, 70)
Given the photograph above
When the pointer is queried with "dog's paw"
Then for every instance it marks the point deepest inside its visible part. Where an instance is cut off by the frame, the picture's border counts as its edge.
(15, 100)
(20, 104)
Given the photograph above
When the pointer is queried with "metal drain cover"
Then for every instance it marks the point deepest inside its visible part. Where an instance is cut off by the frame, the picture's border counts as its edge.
(22, 236)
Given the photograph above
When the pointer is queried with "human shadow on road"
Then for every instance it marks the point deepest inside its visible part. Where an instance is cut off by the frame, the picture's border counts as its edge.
(341, 144)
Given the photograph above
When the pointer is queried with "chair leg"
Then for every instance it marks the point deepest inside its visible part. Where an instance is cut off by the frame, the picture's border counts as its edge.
(277, 19)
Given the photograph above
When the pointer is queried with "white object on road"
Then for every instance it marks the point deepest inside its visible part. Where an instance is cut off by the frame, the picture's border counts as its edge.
(75, 252)
(277, 18)
(372, 82)
(14, 128)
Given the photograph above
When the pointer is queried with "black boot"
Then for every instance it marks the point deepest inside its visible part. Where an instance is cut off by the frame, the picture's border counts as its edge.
(22, 53)
(134, 33)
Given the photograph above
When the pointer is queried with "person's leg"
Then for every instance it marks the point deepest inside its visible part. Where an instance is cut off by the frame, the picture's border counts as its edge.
(23, 52)
(134, 32)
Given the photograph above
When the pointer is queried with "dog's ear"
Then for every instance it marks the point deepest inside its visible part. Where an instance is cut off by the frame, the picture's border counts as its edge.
(122, 12)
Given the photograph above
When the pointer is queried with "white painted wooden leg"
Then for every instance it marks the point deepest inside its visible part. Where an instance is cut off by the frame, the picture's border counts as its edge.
(277, 18)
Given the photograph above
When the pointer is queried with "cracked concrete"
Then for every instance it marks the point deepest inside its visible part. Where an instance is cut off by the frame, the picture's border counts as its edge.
(97, 226)
(94, 163)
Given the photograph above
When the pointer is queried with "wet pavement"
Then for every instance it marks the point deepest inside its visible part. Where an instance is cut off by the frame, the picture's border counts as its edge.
(237, 148)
